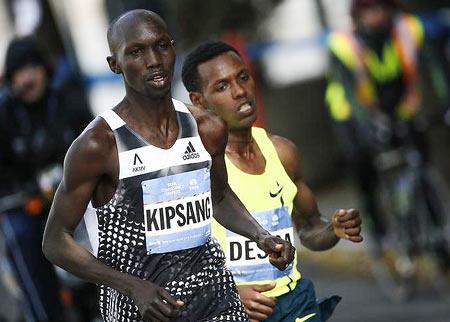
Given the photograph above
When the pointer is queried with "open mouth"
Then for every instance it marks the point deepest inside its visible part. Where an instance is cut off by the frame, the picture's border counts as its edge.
(157, 79)
(245, 108)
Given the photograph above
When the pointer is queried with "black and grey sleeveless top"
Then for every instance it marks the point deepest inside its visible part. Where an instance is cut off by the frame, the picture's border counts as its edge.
(157, 225)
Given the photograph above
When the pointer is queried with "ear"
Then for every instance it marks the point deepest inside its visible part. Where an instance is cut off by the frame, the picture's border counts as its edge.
(197, 99)
(112, 62)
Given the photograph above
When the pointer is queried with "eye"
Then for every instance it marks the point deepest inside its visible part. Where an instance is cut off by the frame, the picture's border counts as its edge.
(164, 45)
(135, 51)
(221, 87)
(244, 76)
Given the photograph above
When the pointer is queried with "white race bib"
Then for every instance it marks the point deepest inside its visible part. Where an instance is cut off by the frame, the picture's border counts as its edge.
(177, 211)
(246, 261)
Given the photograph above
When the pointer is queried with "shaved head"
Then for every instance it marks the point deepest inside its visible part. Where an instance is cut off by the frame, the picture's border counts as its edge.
(129, 19)
(141, 47)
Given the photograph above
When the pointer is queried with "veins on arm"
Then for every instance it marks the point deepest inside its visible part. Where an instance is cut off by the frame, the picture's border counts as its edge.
(87, 160)
(315, 231)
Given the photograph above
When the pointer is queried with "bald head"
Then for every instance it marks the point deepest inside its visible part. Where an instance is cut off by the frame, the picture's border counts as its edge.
(130, 19)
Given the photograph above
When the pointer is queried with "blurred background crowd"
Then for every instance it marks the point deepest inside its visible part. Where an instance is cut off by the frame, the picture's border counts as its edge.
(55, 79)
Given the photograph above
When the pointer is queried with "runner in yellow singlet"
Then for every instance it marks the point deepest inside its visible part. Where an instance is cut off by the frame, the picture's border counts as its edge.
(264, 171)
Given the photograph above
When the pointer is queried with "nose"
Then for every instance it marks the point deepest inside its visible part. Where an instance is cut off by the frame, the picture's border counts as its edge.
(152, 58)
(238, 90)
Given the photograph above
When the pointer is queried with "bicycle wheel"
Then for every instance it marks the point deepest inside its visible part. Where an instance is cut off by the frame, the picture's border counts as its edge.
(436, 232)
(392, 264)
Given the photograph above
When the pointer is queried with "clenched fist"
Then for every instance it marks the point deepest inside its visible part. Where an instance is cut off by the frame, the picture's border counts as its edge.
(347, 224)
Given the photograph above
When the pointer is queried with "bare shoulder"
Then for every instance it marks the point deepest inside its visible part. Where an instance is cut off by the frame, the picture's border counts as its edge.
(95, 140)
(92, 149)
(289, 155)
(212, 129)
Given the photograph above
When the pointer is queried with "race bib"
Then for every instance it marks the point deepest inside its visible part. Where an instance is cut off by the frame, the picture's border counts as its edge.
(177, 211)
(246, 261)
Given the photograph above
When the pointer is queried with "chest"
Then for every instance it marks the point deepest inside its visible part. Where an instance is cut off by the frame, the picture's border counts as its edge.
(149, 159)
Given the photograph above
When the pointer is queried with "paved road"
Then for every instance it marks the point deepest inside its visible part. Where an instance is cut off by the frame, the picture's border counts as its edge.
(363, 302)
(343, 271)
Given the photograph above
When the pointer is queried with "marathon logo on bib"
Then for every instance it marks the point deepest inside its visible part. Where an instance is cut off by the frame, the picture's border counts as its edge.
(249, 263)
(177, 211)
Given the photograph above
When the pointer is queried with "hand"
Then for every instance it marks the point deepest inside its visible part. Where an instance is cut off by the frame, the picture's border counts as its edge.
(347, 224)
(281, 252)
(153, 302)
(257, 306)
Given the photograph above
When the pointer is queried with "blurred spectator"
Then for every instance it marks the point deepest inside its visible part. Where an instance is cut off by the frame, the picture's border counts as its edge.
(374, 82)
(40, 116)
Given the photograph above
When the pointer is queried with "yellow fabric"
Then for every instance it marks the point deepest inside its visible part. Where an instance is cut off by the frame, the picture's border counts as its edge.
(404, 112)
(363, 61)
(386, 68)
(382, 69)
(341, 46)
(416, 28)
(365, 92)
(340, 109)
(254, 192)
(305, 317)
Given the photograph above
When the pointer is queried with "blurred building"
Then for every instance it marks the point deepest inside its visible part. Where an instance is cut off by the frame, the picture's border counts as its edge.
(284, 38)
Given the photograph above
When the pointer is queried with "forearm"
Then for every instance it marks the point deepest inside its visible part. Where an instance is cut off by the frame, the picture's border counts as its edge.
(65, 252)
(232, 214)
(318, 237)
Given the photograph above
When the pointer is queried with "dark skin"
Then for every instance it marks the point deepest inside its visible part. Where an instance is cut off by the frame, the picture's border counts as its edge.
(142, 51)
(228, 89)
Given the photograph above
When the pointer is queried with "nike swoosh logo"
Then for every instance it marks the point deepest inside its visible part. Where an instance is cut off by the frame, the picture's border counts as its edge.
(305, 318)
(273, 195)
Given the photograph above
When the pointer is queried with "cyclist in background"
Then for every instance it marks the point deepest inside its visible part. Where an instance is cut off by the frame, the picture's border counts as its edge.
(374, 83)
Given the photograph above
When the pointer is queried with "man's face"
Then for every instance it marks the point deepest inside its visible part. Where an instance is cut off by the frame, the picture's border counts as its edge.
(375, 18)
(29, 83)
(146, 58)
(228, 89)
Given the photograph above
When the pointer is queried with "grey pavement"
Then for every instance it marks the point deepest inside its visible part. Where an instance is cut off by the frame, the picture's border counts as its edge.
(362, 301)
(344, 271)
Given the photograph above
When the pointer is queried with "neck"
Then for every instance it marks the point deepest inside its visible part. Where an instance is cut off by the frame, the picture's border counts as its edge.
(151, 111)
(154, 119)
(240, 141)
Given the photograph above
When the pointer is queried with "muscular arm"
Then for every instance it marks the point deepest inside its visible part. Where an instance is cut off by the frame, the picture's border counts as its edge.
(86, 162)
(315, 232)
(91, 159)
(228, 209)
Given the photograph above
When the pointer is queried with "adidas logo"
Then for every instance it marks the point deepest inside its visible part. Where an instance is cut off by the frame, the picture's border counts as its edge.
(190, 152)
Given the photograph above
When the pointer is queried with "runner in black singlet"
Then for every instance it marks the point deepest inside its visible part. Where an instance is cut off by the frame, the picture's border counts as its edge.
(150, 172)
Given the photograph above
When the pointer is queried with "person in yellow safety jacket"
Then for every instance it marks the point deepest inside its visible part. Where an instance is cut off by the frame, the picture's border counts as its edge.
(265, 173)
(373, 76)
(382, 53)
